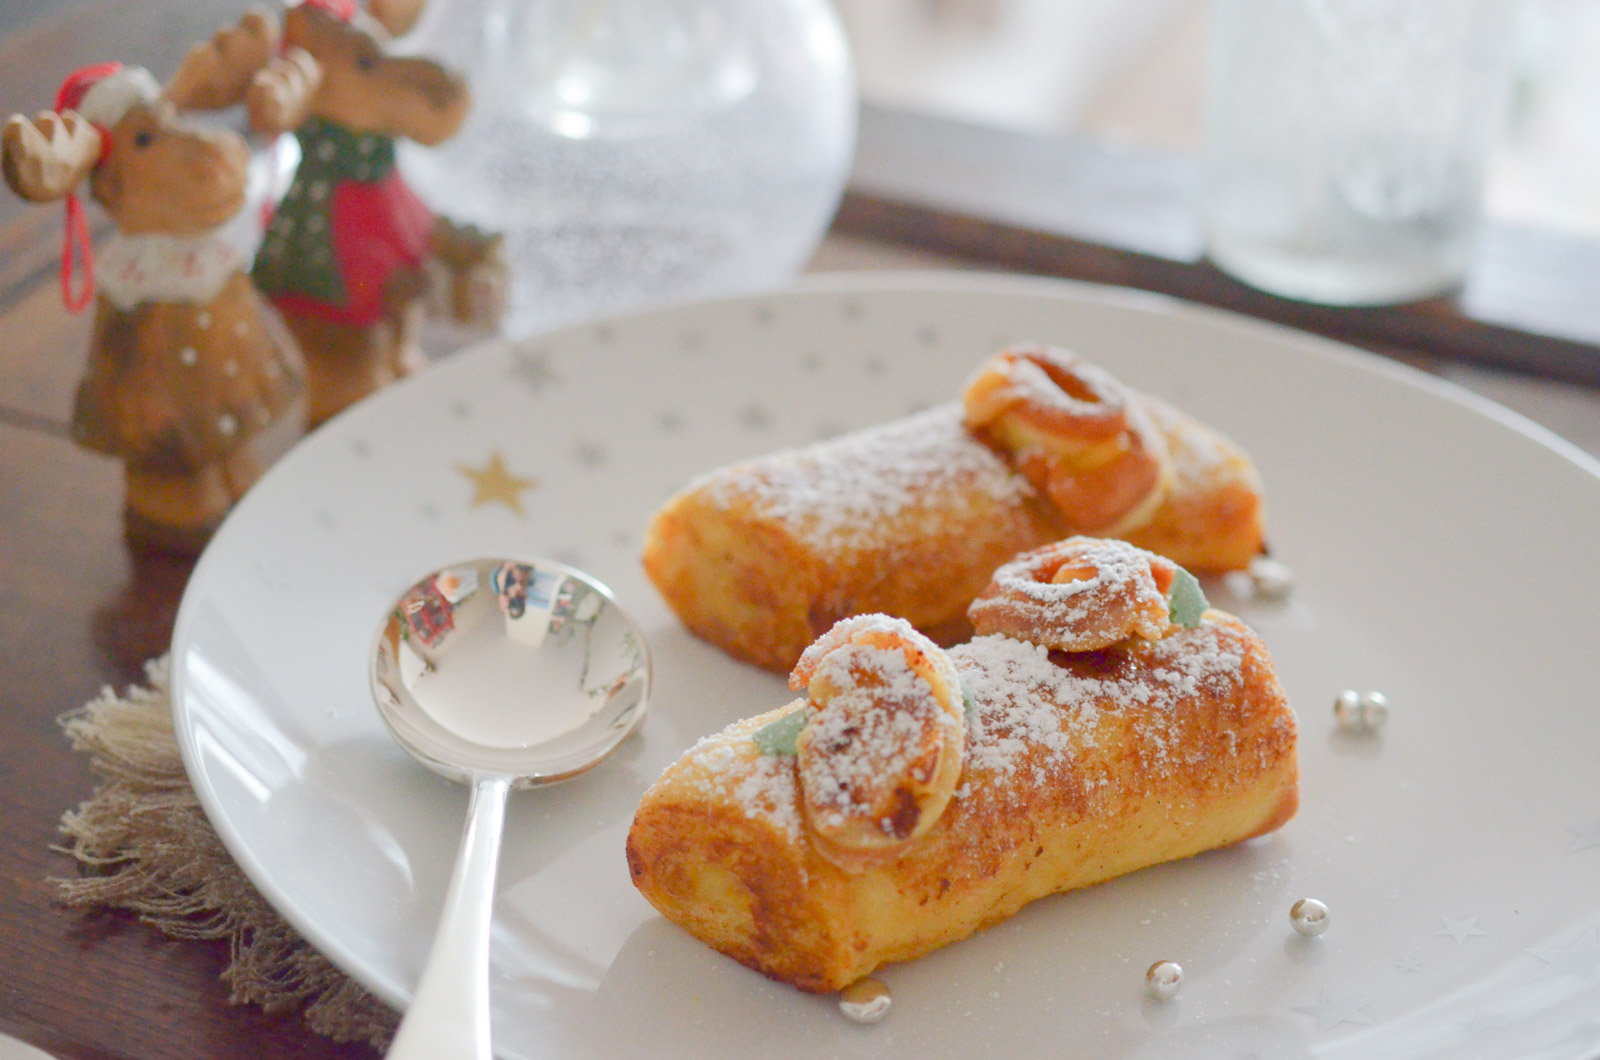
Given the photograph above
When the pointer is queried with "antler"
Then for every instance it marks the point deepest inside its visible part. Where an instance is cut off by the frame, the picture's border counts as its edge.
(396, 16)
(45, 158)
(280, 95)
(217, 73)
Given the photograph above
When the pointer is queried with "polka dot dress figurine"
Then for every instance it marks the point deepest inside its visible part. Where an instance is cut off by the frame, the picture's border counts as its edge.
(352, 256)
(192, 380)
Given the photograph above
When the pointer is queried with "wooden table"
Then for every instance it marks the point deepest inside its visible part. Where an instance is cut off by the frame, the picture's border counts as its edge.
(79, 611)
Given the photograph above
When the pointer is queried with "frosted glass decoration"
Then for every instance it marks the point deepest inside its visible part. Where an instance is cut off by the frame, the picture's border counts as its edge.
(635, 150)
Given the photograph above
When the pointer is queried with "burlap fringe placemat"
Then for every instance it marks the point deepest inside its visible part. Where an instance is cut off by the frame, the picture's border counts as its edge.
(143, 844)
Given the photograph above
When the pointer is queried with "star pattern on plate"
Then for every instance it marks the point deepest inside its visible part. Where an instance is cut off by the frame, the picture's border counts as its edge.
(1332, 1010)
(1588, 836)
(532, 369)
(670, 422)
(1460, 929)
(1409, 962)
(589, 453)
(1580, 957)
(460, 409)
(494, 483)
(360, 448)
(755, 418)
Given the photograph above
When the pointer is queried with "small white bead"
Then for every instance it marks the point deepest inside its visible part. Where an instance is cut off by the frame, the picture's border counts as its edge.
(1162, 979)
(1309, 917)
(1271, 579)
(1361, 713)
(865, 1001)
(226, 424)
(187, 357)
(1374, 710)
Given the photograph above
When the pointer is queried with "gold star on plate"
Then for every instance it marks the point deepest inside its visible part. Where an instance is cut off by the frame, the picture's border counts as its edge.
(495, 482)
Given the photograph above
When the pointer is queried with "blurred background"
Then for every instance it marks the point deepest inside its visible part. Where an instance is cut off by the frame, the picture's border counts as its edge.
(1134, 71)
(1123, 70)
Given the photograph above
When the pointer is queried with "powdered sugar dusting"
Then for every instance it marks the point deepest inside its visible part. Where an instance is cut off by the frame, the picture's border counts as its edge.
(1116, 564)
(764, 787)
(871, 732)
(836, 492)
(1026, 701)
(1029, 715)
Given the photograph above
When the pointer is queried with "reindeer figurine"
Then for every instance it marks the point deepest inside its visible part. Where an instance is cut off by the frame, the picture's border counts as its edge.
(192, 379)
(351, 255)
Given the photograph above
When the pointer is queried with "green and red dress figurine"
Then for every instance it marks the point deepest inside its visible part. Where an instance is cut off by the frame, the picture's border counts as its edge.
(192, 379)
(349, 256)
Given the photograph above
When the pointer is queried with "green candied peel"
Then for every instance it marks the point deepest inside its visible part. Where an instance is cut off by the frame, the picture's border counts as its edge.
(1187, 601)
(781, 737)
(968, 704)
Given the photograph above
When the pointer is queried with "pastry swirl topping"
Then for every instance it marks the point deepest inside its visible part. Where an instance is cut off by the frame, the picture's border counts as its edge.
(881, 753)
(1080, 594)
(1073, 431)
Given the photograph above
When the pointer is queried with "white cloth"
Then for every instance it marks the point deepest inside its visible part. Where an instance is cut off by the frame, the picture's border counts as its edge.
(111, 97)
(162, 268)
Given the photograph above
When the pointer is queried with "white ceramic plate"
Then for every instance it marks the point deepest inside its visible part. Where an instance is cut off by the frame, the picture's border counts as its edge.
(1445, 556)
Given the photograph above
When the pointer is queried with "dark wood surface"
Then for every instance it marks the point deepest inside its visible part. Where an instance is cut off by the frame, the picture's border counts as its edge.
(79, 611)
(1119, 215)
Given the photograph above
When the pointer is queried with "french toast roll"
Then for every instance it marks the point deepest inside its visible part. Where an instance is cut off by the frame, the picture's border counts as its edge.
(1074, 768)
(909, 518)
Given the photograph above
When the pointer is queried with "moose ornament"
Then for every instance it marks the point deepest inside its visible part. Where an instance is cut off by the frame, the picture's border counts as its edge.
(192, 379)
(352, 257)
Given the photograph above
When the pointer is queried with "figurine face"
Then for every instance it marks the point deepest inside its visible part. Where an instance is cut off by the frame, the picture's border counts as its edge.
(165, 174)
(368, 91)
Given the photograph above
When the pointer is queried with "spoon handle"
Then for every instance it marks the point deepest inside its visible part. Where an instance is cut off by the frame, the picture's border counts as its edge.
(449, 1015)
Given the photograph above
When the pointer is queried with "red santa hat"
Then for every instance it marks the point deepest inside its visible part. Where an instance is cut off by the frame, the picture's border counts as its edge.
(343, 10)
(102, 95)
(106, 92)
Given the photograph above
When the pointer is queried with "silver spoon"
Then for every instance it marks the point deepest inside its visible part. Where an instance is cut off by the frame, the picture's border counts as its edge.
(501, 673)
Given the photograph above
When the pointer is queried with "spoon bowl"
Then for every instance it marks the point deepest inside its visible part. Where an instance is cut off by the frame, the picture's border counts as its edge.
(499, 673)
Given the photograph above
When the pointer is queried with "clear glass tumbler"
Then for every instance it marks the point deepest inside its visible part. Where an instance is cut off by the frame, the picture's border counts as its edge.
(1347, 142)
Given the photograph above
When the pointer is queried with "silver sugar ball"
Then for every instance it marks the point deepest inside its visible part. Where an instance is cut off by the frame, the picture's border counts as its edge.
(1374, 710)
(1309, 917)
(1347, 709)
(865, 1001)
(1361, 713)
(1163, 979)
(1270, 579)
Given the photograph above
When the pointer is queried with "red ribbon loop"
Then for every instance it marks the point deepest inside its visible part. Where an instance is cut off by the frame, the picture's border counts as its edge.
(75, 240)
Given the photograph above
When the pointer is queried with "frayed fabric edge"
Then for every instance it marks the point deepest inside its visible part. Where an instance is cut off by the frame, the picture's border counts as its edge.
(143, 844)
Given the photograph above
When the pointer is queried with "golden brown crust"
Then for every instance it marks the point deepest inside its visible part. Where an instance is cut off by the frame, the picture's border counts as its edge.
(1207, 758)
(1212, 518)
(908, 519)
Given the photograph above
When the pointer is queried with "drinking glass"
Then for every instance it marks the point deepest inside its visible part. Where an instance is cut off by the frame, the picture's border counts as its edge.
(1347, 142)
